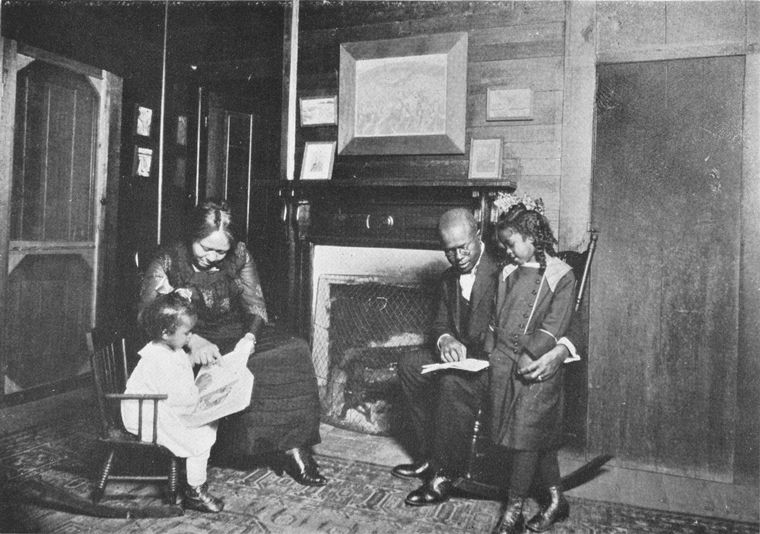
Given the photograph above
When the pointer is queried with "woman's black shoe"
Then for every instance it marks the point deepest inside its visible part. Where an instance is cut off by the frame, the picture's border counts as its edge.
(300, 465)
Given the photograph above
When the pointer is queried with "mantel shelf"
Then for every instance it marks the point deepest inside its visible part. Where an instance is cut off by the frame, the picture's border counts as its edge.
(302, 185)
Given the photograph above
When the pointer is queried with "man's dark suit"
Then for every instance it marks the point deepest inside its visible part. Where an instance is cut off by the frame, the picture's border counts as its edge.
(443, 404)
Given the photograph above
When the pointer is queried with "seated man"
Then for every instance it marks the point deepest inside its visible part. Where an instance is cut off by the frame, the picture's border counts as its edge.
(443, 404)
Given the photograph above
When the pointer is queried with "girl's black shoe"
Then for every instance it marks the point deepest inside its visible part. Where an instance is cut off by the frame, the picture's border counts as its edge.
(512, 521)
(300, 465)
(554, 510)
(199, 498)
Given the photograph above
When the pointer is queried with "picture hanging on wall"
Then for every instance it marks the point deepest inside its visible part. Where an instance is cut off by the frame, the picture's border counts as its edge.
(318, 159)
(318, 111)
(143, 120)
(142, 161)
(508, 104)
(485, 158)
(403, 96)
(182, 130)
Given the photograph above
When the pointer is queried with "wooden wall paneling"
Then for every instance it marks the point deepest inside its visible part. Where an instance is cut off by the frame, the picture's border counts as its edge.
(629, 25)
(700, 22)
(544, 74)
(747, 449)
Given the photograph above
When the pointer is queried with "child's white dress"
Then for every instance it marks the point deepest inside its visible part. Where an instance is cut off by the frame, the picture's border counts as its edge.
(163, 370)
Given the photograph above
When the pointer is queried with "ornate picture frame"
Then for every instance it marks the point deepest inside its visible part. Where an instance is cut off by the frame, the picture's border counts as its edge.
(403, 96)
(318, 160)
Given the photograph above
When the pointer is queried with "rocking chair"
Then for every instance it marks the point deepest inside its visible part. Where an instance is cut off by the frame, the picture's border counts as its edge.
(108, 358)
(484, 464)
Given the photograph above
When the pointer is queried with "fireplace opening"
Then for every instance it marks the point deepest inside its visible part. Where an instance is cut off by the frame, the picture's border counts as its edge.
(362, 325)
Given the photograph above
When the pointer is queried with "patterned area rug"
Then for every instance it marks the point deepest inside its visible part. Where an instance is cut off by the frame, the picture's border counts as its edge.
(360, 498)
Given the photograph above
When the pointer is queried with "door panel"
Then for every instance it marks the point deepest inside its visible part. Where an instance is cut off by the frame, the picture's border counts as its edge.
(53, 255)
(664, 311)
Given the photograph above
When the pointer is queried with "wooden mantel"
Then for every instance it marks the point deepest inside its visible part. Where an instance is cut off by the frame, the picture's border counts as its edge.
(377, 213)
(381, 213)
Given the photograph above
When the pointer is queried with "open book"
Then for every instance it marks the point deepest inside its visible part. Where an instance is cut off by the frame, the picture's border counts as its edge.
(225, 387)
(469, 364)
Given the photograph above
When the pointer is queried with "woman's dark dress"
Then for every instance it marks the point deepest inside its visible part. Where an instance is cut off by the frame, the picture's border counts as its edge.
(284, 410)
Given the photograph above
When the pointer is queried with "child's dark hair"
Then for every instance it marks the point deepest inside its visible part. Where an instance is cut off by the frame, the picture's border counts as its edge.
(163, 315)
(530, 223)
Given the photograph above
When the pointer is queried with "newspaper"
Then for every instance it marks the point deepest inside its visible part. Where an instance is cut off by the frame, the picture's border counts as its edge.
(225, 387)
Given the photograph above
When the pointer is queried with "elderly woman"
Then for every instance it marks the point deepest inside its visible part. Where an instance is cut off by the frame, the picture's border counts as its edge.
(282, 421)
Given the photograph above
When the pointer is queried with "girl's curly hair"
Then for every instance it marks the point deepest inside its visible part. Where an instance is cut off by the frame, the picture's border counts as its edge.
(164, 315)
(530, 223)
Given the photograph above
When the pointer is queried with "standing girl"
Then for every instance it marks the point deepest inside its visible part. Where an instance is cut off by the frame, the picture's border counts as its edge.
(534, 306)
(165, 368)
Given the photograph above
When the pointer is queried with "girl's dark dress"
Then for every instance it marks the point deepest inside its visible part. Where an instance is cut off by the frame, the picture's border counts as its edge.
(284, 409)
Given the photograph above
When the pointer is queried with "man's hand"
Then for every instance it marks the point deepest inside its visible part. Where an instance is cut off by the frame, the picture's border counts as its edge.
(202, 351)
(452, 350)
(546, 366)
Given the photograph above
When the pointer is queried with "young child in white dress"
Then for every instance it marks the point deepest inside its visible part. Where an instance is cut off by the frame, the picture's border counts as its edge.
(165, 368)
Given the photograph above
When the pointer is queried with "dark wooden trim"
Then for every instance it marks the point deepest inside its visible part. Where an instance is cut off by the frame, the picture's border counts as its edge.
(46, 390)
(746, 458)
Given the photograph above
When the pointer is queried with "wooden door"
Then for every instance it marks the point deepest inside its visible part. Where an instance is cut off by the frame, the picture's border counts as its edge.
(664, 310)
(237, 159)
(58, 179)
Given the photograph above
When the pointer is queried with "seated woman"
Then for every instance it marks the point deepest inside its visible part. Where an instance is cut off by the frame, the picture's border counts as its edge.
(282, 420)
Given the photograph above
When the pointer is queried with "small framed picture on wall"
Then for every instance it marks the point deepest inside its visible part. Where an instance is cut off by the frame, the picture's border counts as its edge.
(509, 104)
(182, 130)
(143, 120)
(143, 160)
(318, 111)
(318, 159)
(485, 158)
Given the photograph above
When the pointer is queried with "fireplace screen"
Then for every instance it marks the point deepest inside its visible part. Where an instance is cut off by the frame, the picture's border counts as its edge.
(362, 326)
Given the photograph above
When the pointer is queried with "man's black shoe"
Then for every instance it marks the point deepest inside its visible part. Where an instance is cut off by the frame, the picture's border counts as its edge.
(410, 471)
(434, 491)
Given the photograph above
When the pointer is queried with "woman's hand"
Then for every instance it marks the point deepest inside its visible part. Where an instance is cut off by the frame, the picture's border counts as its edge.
(202, 351)
(545, 367)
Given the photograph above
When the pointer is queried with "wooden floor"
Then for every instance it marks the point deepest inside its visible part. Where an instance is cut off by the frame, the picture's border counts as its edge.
(616, 484)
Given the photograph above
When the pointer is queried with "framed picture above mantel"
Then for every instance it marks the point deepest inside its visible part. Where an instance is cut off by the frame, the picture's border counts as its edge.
(403, 96)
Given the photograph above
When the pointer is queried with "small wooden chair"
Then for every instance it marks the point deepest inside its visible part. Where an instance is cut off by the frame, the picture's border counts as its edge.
(108, 358)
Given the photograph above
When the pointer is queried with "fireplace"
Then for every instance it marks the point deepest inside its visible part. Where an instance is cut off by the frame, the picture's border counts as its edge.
(366, 264)
(362, 325)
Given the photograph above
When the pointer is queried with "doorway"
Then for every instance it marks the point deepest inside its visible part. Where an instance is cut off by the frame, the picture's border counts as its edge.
(666, 198)
(55, 216)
